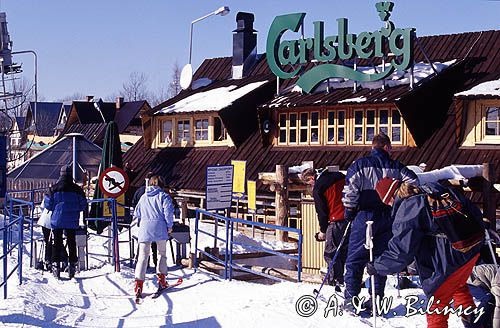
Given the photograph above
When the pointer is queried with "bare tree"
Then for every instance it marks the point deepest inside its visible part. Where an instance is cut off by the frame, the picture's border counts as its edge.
(174, 87)
(19, 94)
(74, 96)
(136, 87)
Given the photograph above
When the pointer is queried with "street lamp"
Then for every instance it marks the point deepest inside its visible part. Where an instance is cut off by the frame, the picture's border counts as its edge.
(223, 11)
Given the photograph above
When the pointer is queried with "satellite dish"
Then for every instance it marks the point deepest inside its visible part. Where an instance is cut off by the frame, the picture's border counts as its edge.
(186, 76)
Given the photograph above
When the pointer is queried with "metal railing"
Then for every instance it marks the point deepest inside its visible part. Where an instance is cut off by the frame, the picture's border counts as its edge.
(9, 245)
(229, 242)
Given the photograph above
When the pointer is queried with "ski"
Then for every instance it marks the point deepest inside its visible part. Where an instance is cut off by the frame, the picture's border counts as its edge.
(161, 290)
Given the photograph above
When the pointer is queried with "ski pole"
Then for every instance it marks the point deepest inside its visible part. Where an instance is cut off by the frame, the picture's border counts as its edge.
(398, 286)
(488, 240)
(330, 267)
(369, 246)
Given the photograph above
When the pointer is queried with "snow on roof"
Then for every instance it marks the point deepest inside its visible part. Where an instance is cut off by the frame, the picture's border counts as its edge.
(420, 71)
(490, 88)
(211, 100)
(353, 100)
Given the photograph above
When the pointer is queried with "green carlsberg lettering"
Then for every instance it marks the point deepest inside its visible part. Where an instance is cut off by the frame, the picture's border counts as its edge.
(337, 48)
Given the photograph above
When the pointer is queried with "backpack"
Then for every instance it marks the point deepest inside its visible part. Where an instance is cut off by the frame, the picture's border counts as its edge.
(458, 225)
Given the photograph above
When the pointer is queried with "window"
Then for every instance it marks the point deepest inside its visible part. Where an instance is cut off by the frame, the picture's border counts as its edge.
(183, 131)
(292, 134)
(335, 126)
(341, 127)
(220, 133)
(304, 127)
(315, 127)
(370, 126)
(330, 127)
(492, 122)
(201, 129)
(383, 121)
(166, 131)
(358, 126)
(282, 123)
(396, 127)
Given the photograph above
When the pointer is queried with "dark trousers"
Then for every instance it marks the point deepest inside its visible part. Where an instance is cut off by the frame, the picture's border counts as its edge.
(358, 256)
(58, 250)
(334, 234)
(48, 244)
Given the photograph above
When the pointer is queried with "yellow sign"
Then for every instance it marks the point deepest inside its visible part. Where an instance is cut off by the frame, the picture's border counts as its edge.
(120, 210)
(239, 178)
(252, 191)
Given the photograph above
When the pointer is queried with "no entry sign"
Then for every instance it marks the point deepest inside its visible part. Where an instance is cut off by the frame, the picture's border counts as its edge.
(113, 182)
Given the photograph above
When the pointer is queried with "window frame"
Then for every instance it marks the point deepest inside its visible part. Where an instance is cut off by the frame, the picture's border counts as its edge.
(180, 141)
(495, 139)
(172, 131)
(196, 130)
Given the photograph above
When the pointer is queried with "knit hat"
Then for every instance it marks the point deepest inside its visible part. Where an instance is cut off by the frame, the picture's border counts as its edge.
(386, 188)
(65, 170)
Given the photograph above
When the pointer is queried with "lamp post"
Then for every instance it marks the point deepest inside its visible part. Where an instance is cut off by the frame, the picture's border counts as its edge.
(223, 11)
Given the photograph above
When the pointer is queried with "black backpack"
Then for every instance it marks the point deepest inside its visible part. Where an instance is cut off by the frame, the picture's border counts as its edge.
(454, 220)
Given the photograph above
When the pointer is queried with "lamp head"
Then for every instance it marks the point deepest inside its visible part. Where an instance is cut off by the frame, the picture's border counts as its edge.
(223, 11)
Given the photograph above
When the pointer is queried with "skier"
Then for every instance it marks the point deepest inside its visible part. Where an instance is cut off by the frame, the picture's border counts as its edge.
(486, 277)
(154, 213)
(135, 200)
(327, 193)
(362, 204)
(443, 269)
(66, 200)
(44, 222)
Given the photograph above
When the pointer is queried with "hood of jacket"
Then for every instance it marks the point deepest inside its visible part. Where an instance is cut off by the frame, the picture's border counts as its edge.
(152, 191)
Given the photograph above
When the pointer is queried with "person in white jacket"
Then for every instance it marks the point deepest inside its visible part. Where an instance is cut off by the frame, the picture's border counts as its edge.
(487, 277)
(154, 213)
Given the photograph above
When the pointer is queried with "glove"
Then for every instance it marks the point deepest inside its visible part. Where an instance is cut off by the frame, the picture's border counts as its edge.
(319, 236)
(349, 214)
(370, 268)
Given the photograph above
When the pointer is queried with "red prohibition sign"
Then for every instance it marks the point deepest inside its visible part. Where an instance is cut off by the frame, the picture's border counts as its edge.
(113, 182)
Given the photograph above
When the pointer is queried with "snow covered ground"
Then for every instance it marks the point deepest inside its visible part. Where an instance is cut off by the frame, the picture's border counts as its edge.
(102, 298)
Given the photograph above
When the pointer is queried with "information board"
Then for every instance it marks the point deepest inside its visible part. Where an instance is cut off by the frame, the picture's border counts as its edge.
(219, 187)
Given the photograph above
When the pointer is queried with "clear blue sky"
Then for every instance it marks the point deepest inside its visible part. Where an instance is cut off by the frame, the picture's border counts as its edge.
(91, 46)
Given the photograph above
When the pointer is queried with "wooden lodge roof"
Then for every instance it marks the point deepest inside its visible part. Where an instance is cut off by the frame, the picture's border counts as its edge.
(428, 110)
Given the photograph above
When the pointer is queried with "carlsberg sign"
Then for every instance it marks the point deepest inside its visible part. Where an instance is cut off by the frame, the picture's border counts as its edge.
(396, 42)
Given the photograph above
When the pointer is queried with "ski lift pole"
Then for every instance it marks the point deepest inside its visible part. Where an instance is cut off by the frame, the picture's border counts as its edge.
(116, 253)
(488, 241)
(369, 246)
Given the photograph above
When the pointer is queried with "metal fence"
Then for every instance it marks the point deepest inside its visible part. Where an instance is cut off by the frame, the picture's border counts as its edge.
(12, 222)
(229, 242)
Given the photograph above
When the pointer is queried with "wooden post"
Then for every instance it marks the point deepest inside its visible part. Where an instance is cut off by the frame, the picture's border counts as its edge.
(281, 201)
(184, 210)
(489, 197)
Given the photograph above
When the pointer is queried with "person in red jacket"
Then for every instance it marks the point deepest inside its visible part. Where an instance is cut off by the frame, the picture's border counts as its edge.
(327, 193)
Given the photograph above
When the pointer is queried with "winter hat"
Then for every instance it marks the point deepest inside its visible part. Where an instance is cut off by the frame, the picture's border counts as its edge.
(386, 188)
(65, 170)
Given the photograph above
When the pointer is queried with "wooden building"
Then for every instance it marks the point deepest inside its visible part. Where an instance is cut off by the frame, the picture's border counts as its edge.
(426, 114)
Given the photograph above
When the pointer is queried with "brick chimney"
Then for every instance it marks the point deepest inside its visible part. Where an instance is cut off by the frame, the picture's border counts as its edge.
(89, 98)
(119, 103)
(244, 45)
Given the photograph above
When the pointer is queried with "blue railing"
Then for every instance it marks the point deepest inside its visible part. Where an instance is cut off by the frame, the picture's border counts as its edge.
(9, 245)
(229, 242)
(113, 220)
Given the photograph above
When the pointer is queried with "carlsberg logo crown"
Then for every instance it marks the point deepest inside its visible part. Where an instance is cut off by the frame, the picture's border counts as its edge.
(344, 46)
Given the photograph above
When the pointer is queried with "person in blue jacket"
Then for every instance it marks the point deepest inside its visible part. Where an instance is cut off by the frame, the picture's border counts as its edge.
(363, 204)
(154, 213)
(66, 200)
(443, 270)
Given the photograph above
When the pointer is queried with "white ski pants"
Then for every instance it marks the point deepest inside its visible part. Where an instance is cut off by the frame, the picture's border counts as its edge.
(142, 261)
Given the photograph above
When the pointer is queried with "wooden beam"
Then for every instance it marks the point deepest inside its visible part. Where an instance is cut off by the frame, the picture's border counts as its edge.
(489, 197)
(281, 201)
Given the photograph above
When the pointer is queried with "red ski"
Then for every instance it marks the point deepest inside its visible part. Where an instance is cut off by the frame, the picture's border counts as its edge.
(161, 290)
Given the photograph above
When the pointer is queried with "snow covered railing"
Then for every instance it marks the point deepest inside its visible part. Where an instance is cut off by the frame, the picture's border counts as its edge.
(229, 243)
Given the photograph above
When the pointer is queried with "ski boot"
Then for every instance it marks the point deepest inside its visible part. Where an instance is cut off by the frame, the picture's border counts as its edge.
(162, 282)
(56, 269)
(138, 288)
(72, 269)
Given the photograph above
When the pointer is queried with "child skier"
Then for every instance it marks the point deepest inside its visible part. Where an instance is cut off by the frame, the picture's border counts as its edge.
(154, 213)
